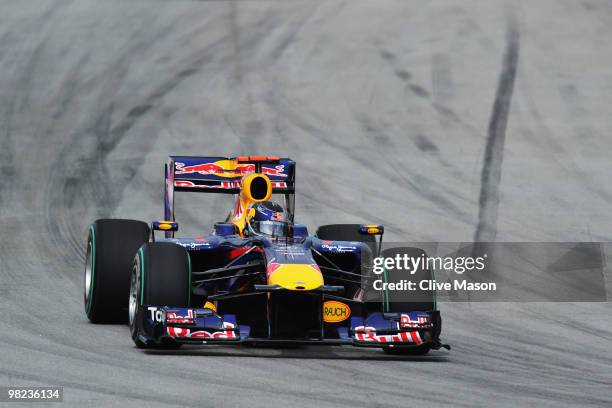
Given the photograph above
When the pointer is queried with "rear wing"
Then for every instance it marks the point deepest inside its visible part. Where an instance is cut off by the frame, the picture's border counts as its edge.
(223, 175)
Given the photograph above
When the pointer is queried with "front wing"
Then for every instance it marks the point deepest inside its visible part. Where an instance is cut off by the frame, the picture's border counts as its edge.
(203, 326)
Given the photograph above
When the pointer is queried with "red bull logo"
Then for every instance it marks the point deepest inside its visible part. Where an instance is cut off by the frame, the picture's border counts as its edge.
(278, 216)
(184, 183)
(368, 334)
(202, 168)
(228, 168)
(224, 184)
(172, 317)
(226, 333)
(407, 322)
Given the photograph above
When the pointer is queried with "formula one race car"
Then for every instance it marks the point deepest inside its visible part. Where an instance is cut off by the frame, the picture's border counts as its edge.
(257, 278)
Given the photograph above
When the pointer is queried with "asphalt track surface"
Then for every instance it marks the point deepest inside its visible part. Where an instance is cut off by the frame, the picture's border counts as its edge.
(444, 120)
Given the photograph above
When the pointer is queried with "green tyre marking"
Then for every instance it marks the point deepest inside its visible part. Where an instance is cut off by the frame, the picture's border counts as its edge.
(189, 287)
(142, 277)
(435, 292)
(93, 268)
(386, 304)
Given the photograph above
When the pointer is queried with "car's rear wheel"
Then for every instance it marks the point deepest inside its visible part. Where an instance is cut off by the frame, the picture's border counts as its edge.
(350, 233)
(111, 246)
(161, 276)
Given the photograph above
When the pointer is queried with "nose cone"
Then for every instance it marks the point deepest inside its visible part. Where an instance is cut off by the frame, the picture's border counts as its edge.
(295, 276)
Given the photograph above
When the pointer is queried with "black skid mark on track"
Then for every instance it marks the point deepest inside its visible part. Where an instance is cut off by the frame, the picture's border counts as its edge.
(79, 177)
(106, 139)
(388, 56)
(496, 137)
(20, 99)
(403, 74)
(406, 77)
(76, 164)
(293, 32)
(82, 173)
(109, 136)
(394, 172)
(425, 145)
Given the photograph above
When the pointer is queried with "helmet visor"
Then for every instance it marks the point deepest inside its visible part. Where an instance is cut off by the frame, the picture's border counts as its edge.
(271, 228)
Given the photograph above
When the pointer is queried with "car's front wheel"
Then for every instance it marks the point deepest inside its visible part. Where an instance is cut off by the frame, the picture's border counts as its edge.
(161, 276)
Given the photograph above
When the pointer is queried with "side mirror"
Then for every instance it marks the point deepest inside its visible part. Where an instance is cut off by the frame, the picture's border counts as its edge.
(371, 229)
(164, 226)
(167, 226)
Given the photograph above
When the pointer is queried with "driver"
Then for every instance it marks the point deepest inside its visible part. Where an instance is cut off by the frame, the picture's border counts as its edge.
(268, 219)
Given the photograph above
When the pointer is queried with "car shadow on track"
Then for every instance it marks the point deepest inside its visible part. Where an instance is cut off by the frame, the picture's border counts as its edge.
(316, 353)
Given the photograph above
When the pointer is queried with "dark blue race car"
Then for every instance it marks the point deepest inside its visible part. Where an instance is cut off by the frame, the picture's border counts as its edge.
(257, 278)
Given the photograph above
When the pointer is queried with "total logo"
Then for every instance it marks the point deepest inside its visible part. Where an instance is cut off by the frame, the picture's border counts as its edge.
(160, 316)
(335, 312)
(157, 315)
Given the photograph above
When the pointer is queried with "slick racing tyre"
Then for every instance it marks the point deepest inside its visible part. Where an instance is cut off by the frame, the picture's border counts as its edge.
(161, 276)
(350, 232)
(400, 300)
(111, 246)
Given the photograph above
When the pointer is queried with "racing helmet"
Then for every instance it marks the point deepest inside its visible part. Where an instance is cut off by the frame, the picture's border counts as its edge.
(268, 218)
